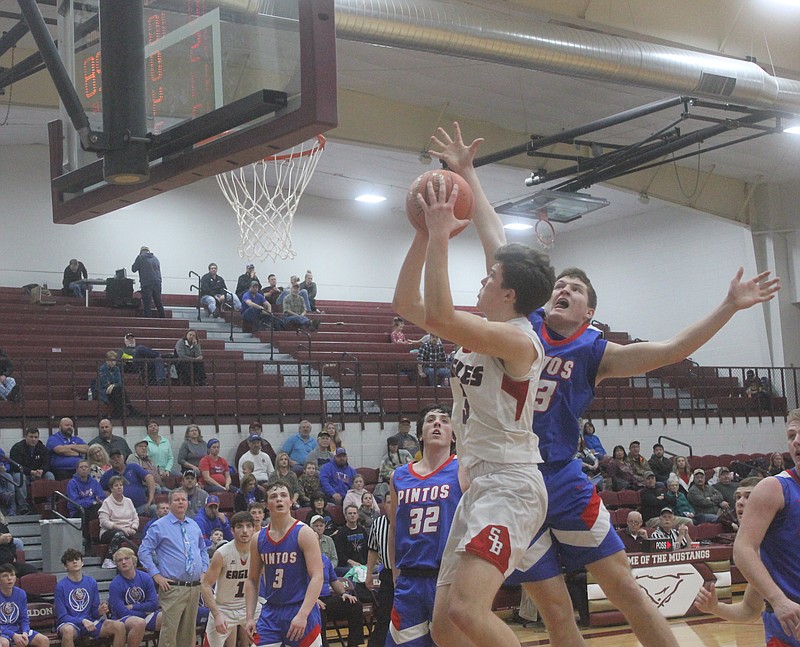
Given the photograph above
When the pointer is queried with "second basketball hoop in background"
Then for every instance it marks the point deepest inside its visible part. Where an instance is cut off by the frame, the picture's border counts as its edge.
(464, 202)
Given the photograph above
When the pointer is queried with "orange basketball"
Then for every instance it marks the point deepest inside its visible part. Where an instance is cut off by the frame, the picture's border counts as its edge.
(464, 201)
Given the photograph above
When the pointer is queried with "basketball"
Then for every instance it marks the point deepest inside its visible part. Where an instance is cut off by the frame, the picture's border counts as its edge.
(464, 201)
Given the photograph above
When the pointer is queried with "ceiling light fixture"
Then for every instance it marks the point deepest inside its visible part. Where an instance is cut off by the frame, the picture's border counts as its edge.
(792, 130)
(370, 198)
(517, 226)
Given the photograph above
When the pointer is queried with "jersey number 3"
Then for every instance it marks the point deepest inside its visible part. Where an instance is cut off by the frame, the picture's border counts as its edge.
(423, 520)
(544, 395)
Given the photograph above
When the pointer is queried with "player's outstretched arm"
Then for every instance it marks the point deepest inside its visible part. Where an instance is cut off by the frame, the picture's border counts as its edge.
(764, 503)
(635, 359)
(494, 338)
(459, 157)
(748, 610)
(207, 583)
(407, 300)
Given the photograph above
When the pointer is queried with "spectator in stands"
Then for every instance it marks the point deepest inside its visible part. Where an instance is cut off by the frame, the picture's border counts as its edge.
(71, 284)
(256, 310)
(356, 491)
(660, 465)
(15, 627)
(336, 477)
(140, 487)
(78, 610)
(195, 495)
(283, 472)
(106, 438)
(138, 358)
(404, 439)
(432, 362)
(677, 500)
(754, 391)
(633, 533)
(159, 449)
(682, 471)
(262, 464)
(119, 521)
(9, 389)
(311, 288)
(215, 473)
(32, 458)
(111, 389)
(319, 507)
(394, 458)
(132, 596)
(141, 458)
(246, 280)
(254, 428)
(294, 283)
(326, 543)
(210, 519)
(272, 291)
(592, 442)
(652, 498)
(725, 485)
(397, 336)
(249, 491)
(776, 465)
(192, 449)
(706, 501)
(84, 493)
(351, 542)
(368, 511)
(190, 366)
(309, 483)
(149, 269)
(99, 463)
(9, 545)
(621, 473)
(9, 493)
(213, 292)
(162, 510)
(635, 459)
(321, 454)
(333, 431)
(666, 529)
(6, 365)
(66, 449)
(300, 445)
(589, 464)
(335, 604)
(295, 309)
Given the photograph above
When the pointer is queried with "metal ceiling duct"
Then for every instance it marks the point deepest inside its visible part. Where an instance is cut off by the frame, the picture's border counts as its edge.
(471, 32)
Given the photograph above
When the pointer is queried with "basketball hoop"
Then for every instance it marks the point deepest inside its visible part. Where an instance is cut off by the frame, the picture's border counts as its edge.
(266, 202)
(545, 232)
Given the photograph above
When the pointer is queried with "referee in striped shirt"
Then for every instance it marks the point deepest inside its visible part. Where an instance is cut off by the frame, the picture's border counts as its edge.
(378, 545)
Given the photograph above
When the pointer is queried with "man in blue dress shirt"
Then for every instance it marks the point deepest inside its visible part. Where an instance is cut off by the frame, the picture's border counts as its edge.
(177, 542)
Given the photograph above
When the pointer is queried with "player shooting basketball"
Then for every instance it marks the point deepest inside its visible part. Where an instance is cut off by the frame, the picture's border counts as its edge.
(581, 533)
(495, 375)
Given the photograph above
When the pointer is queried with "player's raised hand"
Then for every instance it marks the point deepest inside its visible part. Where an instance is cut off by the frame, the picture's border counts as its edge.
(438, 209)
(744, 294)
(455, 153)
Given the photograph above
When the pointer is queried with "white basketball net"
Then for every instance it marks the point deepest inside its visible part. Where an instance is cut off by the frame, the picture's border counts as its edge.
(265, 196)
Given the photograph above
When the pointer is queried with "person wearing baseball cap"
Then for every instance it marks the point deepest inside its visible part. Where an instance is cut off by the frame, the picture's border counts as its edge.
(149, 269)
(336, 477)
(245, 280)
(652, 498)
(210, 519)
(321, 454)
(666, 529)
(195, 495)
(708, 504)
(726, 487)
(405, 439)
(262, 464)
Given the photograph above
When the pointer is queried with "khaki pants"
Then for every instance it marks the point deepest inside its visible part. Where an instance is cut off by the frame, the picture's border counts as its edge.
(179, 605)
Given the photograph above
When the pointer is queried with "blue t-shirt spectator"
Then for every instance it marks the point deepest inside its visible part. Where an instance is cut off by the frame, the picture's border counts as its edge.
(135, 487)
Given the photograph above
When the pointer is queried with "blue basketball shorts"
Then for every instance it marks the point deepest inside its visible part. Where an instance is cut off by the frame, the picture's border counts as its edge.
(412, 612)
(274, 621)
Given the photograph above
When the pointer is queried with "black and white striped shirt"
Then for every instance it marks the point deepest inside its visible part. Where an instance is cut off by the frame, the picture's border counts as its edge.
(379, 539)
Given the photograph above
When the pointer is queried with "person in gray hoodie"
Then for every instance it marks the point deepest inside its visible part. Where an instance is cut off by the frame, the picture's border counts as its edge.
(149, 280)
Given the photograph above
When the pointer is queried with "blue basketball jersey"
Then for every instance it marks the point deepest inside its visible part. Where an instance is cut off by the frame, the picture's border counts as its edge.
(782, 564)
(14, 613)
(76, 601)
(566, 387)
(285, 577)
(425, 508)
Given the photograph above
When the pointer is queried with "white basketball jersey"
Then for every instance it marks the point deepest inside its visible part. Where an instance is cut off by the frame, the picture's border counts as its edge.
(493, 412)
(229, 590)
